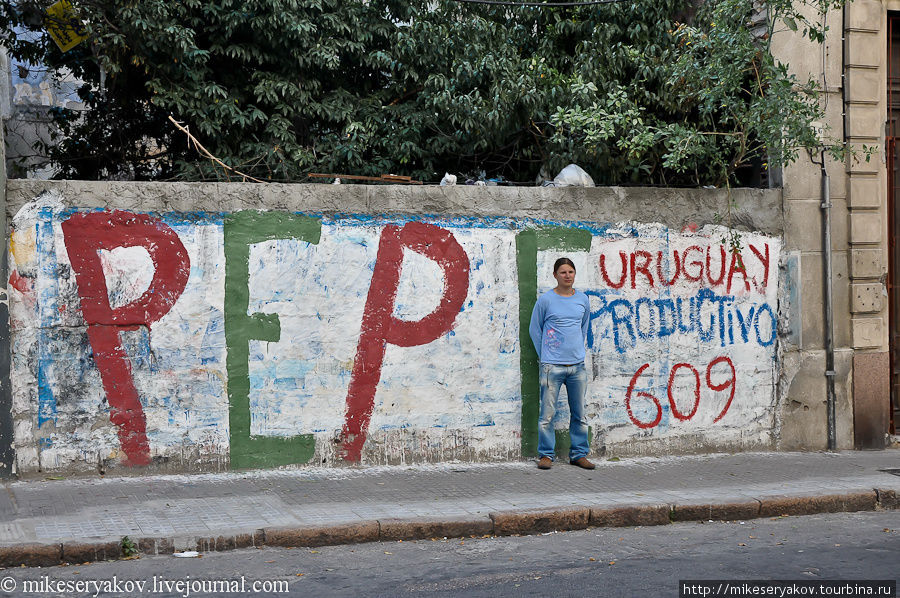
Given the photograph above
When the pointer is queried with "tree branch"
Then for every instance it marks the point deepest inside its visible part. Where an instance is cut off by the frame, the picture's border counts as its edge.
(199, 147)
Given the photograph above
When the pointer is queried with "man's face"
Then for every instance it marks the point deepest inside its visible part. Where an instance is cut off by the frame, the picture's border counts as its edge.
(565, 275)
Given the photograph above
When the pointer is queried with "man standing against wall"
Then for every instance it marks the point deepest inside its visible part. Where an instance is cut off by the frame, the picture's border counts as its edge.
(558, 329)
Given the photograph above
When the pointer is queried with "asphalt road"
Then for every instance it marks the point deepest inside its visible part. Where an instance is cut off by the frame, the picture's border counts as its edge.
(627, 562)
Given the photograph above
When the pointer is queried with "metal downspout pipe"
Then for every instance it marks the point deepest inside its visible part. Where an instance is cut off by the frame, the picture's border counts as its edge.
(828, 305)
(828, 290)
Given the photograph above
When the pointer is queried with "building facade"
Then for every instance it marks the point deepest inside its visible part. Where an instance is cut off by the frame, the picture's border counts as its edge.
(852, 67)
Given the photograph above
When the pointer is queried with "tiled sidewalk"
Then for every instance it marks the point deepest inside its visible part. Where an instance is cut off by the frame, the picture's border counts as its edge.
(176, 511)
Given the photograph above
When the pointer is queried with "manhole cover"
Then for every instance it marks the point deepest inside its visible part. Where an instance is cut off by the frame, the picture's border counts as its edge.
(891, 471)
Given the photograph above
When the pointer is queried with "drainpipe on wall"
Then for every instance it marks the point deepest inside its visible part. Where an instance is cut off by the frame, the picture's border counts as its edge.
(829, 309)
(826, 250)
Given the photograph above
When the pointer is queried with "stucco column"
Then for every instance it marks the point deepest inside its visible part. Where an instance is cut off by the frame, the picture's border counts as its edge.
(865, 26)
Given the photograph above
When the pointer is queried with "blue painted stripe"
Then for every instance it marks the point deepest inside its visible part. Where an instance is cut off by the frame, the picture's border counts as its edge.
(48, 315)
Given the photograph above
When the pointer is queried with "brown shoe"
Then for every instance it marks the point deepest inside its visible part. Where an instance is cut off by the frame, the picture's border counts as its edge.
(545, 463)
(583, 463)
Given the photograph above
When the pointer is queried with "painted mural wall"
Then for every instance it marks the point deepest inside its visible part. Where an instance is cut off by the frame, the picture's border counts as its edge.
(259, 339)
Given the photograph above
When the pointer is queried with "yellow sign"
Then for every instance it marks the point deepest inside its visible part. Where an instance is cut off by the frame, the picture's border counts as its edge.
(64, 27)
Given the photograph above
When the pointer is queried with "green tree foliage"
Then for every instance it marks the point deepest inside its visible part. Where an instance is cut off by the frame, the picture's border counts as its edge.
(280, 88)
(706, 101)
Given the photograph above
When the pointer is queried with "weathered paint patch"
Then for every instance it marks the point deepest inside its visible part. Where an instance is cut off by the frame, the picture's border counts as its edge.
(290, 338)
(23, 245)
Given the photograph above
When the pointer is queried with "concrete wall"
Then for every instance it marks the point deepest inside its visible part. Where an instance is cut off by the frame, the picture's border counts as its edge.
(177, 326)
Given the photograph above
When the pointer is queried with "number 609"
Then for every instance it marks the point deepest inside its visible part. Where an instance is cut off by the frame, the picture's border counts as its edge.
(680, 415)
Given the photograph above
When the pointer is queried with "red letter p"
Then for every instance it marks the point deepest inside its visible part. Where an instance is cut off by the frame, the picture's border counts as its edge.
(379, 326)
(85, 235)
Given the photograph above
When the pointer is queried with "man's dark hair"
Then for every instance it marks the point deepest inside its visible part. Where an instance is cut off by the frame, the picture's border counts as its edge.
(563, 261)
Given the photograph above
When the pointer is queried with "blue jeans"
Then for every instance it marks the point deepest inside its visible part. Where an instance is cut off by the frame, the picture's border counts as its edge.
(552, 378)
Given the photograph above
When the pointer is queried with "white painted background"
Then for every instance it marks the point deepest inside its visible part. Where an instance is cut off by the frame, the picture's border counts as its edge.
(457, 397)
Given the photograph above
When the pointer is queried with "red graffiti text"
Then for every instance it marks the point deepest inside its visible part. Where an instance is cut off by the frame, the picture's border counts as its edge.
(379, 326)
(712, 266)
(87, 234)
(677, 412)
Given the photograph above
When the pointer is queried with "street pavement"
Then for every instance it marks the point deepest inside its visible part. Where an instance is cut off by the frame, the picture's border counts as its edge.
(45, 522)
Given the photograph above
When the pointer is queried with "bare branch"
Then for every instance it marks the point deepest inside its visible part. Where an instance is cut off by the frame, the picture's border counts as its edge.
(199, 147)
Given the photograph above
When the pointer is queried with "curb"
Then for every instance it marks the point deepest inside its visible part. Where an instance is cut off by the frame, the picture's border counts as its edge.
(505, 523)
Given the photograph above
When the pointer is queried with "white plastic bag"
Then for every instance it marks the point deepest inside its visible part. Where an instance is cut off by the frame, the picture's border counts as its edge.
(449, 179)
(573, 176)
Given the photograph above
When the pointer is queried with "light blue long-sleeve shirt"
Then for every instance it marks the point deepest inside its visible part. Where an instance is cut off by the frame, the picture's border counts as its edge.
(559, 327)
